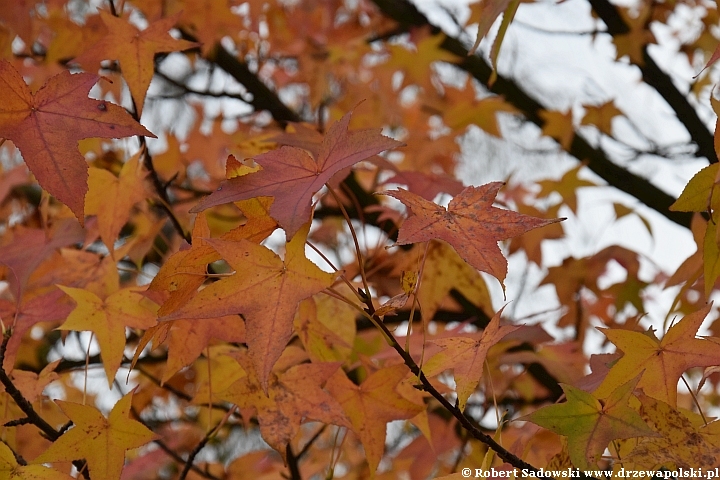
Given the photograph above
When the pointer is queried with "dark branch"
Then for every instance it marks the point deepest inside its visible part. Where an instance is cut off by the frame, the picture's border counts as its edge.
(405, 13)
(662, 83)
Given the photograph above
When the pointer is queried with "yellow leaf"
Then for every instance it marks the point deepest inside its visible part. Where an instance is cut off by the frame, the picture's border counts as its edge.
(662, 361)
(601, 116)
(696, 194)
(101, 441)
(107, 319)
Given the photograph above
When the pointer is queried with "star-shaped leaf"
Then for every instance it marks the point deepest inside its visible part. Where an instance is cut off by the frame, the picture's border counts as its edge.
(292, 176)
(470, 224)
(663, 361)
(182, 274)
(264, 289)
(10, 469)
(466, 357)
(127, 190)
(681, 443)
(107, 319)
(100, 441)
(416, 65)
(567, 187)
(590, 424)
(559, 126)
(46, 126)
(482, 113)
(371, 405)
(293, 397)
(135, 50)
(601, 116)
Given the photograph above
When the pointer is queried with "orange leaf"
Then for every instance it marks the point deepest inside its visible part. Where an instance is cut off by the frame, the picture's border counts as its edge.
(482, 113)
(47, 125)
(601, 116)
(470, 224)
(264, 289)
(663, 361)
(558, 126)
(567, 187)
(293, 176)
(416, 65)
(292, 398)
(485, 12)
(371, 405)
(188, 338)
(466, 357)
(126, 190)
(99, 440)
(184, 272)
(135, 50)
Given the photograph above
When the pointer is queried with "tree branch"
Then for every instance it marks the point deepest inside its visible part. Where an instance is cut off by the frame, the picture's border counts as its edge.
(662, 83)
(405, 13)
(27, 407)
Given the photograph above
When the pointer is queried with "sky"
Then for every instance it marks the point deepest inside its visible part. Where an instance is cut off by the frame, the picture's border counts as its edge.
(550, 49)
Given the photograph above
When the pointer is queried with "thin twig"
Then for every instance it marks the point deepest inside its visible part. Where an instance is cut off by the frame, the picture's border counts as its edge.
(361, 259)
(27, 407)
(292, 463)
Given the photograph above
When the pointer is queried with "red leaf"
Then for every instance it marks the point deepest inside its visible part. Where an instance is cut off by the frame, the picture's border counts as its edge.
(46, 126)
(470, 224)
(293, 176)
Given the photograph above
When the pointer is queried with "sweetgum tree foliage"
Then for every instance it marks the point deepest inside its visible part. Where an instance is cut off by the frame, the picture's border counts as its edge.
(294, 264)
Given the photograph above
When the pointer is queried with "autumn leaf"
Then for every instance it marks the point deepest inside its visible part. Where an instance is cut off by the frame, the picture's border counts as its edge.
(427, 185)
(711, 254)
(680, 443)
(326, 327)
(700, 194)
(601, 116)
(127, 189)
(466, 357)
(293, 397)
(485, 12)
(46, 126)
(443, 272)
(10, 469)
(187, 339)
(662, 361)
(107, 319)
(634, 42)
(567, 187)
(264, 289)
(559, 126)
(590, 424)
(371, 405)
(48, 307)
(25, 248)
(210, 21)
(292, 176)
(135, 50)
(470, 224)
(100, 441)
(482, 113)
(182, 273)
(416, 65)
(532, 241)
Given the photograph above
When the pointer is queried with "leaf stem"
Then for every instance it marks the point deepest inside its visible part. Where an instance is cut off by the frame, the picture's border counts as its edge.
(465, 422)
(361, 259)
